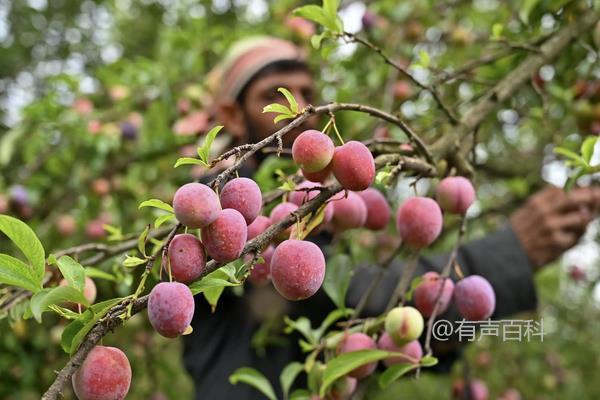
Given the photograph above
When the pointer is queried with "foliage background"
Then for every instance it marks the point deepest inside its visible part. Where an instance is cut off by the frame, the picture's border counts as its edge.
(145, 62)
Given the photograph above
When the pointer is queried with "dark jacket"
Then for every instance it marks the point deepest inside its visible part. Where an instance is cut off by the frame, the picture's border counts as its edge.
(221, 342)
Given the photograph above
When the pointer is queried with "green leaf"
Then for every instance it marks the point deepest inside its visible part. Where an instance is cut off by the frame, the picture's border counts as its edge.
(571, 155)
(204, 150)
(47, 297)
(300, 394)
(98, 273)
(141, 242)
(281, 117)
(16, 273)
(587, 148)
(277, 108)
(346, 362)
(73, 272)
(189, 160)
(290, 98)
(114, 233)
(424, 59)
(312, 12)
(303, 326)
(26, 240)
(207, 283)
(162, 219)
(497, 29)
(156, 203)
(413, 285)
(394, 372)
(337, 279)
(330, 7)
(75, 332)
(288, 376)
(526, 9)
(330, 319)
(133, 261)
(212, 296)
(317, 40)
(252, 377)
(428, 361)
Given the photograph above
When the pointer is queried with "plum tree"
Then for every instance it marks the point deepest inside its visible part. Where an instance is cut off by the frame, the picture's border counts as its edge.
(411, 349)
(89, 292)
(297, 269)
(104, 374)
(349, 212)
(355, 342)
(312, 151)
(279, 212)
(243, 195)
(353, 166)
(226, 236)
(404, 324)
(427, 292)
(477, 390)
(261, 272)
(196, 205)
(187, 257)
(455, 194)
(419, 221)
(474, 298)
(170, 308)
(258, 226)
(378, 209)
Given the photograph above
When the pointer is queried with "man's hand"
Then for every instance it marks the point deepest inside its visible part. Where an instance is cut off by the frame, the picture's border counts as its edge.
(552, 221)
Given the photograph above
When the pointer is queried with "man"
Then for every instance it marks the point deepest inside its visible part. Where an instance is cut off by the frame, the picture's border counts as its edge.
(549, 223)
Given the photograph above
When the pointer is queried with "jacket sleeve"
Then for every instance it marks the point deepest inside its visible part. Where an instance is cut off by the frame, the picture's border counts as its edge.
(499, 257)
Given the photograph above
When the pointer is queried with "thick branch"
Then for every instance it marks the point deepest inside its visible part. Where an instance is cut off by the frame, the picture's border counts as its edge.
(518, 77)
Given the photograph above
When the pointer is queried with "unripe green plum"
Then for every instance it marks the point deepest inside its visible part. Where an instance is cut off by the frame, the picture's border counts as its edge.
(196, 205)
(170, 308)
(243, 195)
(355, 342)
(226, 236)
(419, 221)
(427, 293)
(349, 212)
(411, 349)
(353, 166)
(187, 257)
(455, 194)
(404, 324)
(258, 226)
(105, 374)
(378, 209)
(474, 298)
(297, 269)
(312, 151)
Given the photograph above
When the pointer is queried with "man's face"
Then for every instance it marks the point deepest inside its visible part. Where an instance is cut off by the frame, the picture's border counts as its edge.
(263, 91)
